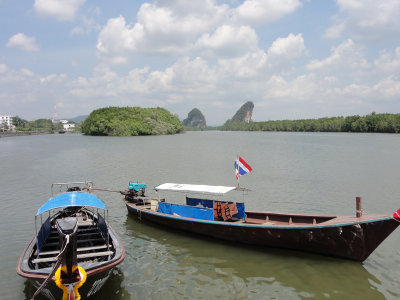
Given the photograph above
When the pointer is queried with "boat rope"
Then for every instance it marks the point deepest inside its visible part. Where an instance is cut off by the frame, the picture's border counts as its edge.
(101, 190)
(56, 266)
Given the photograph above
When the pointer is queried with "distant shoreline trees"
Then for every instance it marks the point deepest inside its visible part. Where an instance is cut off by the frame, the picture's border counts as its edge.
(382, 123)
(37, 125)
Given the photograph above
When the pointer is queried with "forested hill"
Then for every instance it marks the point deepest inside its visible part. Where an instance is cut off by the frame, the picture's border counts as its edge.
(195, 119)
(384, 123)
(243, 115)
(129, 121)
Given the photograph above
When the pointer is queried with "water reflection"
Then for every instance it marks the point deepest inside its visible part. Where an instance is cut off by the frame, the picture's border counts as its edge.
(174, 263)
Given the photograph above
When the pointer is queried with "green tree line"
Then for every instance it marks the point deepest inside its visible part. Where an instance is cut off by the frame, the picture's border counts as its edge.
(36, 125)
(131, 121)
(384, 123)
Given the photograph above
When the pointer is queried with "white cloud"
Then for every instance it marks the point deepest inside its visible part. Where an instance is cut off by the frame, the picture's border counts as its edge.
(388, 87)
(27, 72)
(52, 78)
(264, 11)
(288, 48)
(62, 10)
(303, 87)
(246, 66)
(366, 20)
(23, 42)
(181, 27)
(158, 29)
(336, 30)
(88, 26)
(354, 91)
(229, 41)
(9, 75)
(117, 37)
(387, 63)
(3, 68)
(343, 57)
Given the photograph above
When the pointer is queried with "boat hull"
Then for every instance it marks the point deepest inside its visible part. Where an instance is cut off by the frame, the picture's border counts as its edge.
(350, 240)
(92, 285)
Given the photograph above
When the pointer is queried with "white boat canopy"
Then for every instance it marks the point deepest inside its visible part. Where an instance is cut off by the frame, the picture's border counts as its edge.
(195, 188)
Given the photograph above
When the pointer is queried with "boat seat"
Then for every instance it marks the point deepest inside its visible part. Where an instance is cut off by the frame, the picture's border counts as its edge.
(78, 241)
(79, 256)
(79, 250)
(85, 229)
(88, 234)
(94, 254)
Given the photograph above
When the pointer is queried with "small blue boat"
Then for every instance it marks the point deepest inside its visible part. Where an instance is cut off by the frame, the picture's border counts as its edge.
(73, 250)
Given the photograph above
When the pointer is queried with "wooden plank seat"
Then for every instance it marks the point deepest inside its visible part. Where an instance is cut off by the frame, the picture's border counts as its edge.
(79, 250)
(80, 229)
(78, 241)
(79, 256)
(87, 234)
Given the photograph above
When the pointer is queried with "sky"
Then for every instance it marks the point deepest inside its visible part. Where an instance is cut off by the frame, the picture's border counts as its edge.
(293, 59)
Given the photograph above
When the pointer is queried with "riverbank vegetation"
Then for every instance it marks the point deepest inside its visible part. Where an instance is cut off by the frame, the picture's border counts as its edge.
(383, 123)
(131, 121)
(39, 125)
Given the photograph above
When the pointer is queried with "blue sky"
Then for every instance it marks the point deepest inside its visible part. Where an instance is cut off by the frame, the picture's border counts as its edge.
(294, 59)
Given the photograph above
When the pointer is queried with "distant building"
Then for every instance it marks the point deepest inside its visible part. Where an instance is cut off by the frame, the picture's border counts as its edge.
(8, 121)
(68, 126)
(64, 121)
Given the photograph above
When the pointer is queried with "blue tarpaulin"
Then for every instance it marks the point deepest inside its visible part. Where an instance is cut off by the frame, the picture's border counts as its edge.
(72, 199)
(186, 211)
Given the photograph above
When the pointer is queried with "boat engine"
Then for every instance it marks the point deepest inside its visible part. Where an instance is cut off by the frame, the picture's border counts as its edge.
(135, 191)
(68, 227)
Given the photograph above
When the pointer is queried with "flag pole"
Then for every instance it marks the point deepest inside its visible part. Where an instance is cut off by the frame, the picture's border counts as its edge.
(237, 170)
(241, 168)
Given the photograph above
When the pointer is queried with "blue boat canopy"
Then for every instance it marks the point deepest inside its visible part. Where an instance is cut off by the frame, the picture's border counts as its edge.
(72, 199)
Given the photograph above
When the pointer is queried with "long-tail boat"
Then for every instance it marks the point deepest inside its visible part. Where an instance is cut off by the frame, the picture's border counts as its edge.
(74, 250)
(352, 237)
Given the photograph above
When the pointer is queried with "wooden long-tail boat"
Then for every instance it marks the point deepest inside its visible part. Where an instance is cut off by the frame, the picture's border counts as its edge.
(74, 251)
(352, 237)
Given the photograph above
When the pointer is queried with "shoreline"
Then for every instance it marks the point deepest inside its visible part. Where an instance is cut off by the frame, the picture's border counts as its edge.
(21, 133)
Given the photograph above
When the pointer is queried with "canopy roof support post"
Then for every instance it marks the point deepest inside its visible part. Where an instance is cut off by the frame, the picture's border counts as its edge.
(37, 241)
(108, 233)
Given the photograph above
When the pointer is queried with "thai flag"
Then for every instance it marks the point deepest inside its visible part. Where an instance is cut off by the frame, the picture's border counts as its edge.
(241, 167)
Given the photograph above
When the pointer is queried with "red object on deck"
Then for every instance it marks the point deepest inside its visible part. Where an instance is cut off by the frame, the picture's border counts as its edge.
(396, 215)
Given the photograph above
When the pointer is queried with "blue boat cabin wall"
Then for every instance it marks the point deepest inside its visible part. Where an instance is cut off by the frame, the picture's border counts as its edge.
(43, 234)
(186, 211)
(101, 223)
(210, 204)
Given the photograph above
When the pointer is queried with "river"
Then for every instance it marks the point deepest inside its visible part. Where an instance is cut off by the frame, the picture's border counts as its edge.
(292, 172)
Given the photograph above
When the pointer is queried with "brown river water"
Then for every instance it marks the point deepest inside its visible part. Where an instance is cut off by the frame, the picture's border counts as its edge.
(292, 172)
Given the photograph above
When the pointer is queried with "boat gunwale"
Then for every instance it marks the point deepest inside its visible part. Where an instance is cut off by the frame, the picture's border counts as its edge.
(378, 218)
